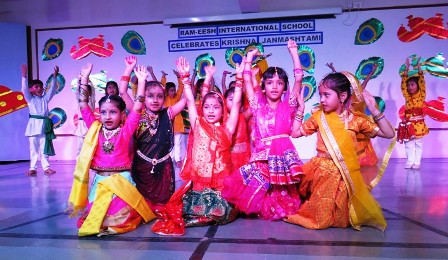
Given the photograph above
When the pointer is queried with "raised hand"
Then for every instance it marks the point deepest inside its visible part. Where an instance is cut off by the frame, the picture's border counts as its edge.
(176, 73)
(141, 72)
(239, 67)
(56, 71)
(210, 70)
(183, 67)
(86, 70)
(164, 73)
(24, 71)
(292, 46)
(251, 54)
(370, 102)
(130, 62)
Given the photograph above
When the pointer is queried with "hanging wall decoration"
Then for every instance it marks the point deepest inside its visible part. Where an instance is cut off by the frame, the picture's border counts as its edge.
(366, 66)
(369, 32)
(10, 101)
(133, 43)
(52, 49)
(57, 116)
(307, 58)
(95, 45)
(60, 83)
(433, 26)
(309, 85)
(202, 61)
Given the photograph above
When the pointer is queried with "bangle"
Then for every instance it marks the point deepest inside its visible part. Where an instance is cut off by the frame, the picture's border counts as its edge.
(139, 98)
(247, 72)
(184, 75)
(238, 84)
(83, 100)
(205, 85)
(376, 117)
(298, 117)
(239, 78)
(297, 71)
(125, 78)
(379, 118)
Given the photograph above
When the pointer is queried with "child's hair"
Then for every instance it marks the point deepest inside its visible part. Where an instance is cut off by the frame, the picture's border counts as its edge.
(229, 91)
(114, 84)
(413, 79)
(339, 83)
(270, 72)
(198, 85)
(232, 83)
(154, 83)
(117, 100)
(170, 85)
(35, 82)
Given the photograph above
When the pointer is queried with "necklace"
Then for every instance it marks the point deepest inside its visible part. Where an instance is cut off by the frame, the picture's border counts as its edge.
(152, 121)
(108, 147)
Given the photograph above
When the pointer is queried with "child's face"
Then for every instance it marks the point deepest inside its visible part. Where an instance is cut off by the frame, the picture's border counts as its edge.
(329, 99)
(274, 88)
(37, 90)
(110, 115)
(171, 92)
(154, 98)
(229, 101)
(110, 90)
(212, 110)
(412, 87)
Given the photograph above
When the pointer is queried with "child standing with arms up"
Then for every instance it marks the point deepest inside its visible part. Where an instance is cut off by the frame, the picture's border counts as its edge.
(40, 127)
(152, 167)
(332, 189)
(414, 93)
(267, 186)
(113, 205)
(199, 202)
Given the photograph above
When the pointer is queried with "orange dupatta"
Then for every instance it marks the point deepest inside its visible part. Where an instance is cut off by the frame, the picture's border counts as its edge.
(363, 208)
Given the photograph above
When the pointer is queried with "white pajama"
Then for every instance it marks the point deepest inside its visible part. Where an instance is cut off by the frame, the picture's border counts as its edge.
(414, 151)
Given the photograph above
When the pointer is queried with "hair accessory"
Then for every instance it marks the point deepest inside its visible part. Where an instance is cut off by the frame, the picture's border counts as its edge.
(276, 72)
(108, 99)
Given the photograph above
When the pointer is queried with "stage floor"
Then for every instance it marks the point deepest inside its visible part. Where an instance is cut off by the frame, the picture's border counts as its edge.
(415, 203)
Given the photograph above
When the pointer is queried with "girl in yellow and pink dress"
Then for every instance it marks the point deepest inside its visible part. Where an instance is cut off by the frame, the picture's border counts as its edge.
(112, 205)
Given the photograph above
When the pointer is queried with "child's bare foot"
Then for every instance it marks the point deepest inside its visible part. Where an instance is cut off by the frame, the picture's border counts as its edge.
(49, 172)
(31, 173)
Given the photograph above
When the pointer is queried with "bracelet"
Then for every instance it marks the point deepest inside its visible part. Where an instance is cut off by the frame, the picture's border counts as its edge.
(83, 100)
(379, 118)
(247, 72)
(184, 75)
(125, 78)
(238, 84)
(204, 84)
(298, 117)
(139, 98)
(297, 71)
(239, 78)
(376, 117)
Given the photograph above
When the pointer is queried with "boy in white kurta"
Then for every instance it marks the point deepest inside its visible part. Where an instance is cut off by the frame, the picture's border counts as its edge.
(39, 128)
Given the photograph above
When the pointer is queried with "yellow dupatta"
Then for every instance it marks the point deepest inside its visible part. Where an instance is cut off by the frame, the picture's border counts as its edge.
(80, 188)
(363, 208)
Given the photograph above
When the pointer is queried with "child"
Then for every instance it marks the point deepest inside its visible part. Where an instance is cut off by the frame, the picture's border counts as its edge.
(198, 202)
(267, 186)
(40, 127)
(414, 93)
(364, 147)
(240, 148)
(172, 97)
(152, 167)
(111, 88)
(113, 204)
(332, 189)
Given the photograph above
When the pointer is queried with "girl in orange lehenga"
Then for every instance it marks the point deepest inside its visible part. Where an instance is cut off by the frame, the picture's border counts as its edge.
(332, 189)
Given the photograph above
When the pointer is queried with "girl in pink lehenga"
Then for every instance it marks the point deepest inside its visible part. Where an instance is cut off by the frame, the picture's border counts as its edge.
(267, 185)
